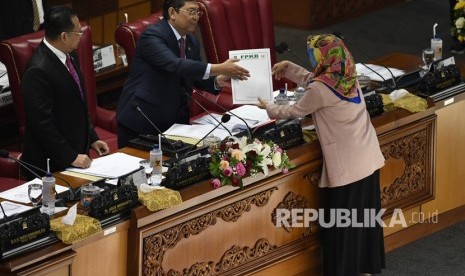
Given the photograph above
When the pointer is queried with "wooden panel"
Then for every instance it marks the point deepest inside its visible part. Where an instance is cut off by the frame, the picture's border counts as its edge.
(110, 22)
(125, 3)
(104, 256)
(137, 11)
(450, 171)
(96, 26)
(59, 265)
(241, 226)
(407, 178)
(408, 215)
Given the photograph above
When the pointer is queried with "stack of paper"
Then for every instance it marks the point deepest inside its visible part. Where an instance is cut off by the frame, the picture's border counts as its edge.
(377, 72)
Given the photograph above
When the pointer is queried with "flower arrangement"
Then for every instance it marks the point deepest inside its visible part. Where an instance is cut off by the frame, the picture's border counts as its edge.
(458, 30)
(236, 159)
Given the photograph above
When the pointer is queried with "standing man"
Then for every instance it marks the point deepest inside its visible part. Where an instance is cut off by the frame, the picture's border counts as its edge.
(18, 17)
(165, 68)
(58, 125)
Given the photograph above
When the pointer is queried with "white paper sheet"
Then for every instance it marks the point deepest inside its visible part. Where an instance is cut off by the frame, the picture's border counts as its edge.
(260, 83)
(19, 193)
(195, 131)
(12, 208)
(380, 70)
(111, 166)
(252, 115)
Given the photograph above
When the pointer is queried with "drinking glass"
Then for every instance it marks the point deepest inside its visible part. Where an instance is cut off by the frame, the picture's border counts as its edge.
(428, 57)
(147, 167)
(34, 192)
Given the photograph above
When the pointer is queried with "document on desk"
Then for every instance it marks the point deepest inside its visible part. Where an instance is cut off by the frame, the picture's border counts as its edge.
(12, 208)
(377, 72)
(259, 84)
(19, 193)
(251, 114)
(111, 166)
(195, 131)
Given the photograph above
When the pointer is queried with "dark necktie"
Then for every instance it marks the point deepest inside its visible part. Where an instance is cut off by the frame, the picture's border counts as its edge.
(35, 19)
(73, 73)
(182, 48)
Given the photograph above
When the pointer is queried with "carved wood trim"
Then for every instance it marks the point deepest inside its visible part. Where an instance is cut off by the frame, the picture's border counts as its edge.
(155, 246)
(231, 259)
(414, 146)
(314, 177)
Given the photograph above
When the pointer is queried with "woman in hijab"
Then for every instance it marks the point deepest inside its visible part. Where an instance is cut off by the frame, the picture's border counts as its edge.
(351, 153)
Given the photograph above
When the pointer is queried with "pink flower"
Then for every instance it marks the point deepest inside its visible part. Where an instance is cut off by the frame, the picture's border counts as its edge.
(285, 170)
(235, 181)
(227, 171)
(216, 183)
(278, 149)
(240, 169)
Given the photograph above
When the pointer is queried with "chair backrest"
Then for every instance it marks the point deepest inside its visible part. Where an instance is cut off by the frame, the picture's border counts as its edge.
(127, 34)
(16, 52)
(235, 25)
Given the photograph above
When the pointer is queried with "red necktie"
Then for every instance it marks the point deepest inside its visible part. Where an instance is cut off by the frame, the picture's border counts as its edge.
(182, 48)
(74, 74)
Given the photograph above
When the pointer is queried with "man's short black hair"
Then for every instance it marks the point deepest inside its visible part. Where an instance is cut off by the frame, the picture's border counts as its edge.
(57, 20)
(176, 4)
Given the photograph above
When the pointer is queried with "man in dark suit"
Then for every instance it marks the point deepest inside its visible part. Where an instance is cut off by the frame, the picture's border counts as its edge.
(161, 75)
(17, 17)
(58, 125)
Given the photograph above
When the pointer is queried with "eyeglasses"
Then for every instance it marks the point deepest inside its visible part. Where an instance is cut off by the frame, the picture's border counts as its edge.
(80, 33)
(192, 12)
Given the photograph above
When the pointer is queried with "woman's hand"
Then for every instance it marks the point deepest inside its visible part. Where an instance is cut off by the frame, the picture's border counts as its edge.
(262, 103)
(279, 69)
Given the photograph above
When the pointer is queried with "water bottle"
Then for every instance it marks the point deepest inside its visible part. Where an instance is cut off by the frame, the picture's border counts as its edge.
(436, 46)
(156, 159)
(48, 194)
(282, 99)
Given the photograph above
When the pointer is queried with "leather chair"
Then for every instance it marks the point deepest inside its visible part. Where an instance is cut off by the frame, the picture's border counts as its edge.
(15, 54)
(10, 172)
(127, 35)
(252, 28)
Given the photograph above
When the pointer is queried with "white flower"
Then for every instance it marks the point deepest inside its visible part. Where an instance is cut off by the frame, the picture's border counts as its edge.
(460, 22)
(276, 159)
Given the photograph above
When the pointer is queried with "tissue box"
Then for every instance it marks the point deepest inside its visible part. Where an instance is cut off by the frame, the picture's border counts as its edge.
(83, 227)
(160, 199)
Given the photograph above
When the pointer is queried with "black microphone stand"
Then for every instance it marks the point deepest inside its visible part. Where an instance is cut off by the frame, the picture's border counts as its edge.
(249, 132)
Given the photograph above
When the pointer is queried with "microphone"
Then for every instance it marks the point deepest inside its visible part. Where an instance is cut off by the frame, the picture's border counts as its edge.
(209, 113)
(281, 47)
(176, 147)
(387, 88)
(27, 166)
(224, 119)
(249, 132)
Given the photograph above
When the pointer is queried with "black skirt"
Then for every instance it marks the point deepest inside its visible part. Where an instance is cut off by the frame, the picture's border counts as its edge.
(350, 250)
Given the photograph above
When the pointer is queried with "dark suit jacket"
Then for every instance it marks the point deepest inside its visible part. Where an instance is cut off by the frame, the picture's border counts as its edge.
(16, 17)
(57, 122)
(159, 79)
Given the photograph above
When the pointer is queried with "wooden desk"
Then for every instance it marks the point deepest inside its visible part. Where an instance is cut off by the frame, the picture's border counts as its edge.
(232, 231)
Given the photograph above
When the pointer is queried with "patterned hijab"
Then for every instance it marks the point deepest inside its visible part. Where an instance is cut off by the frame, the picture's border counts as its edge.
(334, 66)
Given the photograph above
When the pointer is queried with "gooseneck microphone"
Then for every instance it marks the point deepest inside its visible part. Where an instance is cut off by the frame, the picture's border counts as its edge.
(208, 112)
(249, 132)
(281, 47)
(136, 106)
(27, 166)
(224, 119)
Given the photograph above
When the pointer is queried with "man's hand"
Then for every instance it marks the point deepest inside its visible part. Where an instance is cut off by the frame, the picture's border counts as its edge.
(82, 161)
(230, 69)
(279, 69)
(100, 147)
